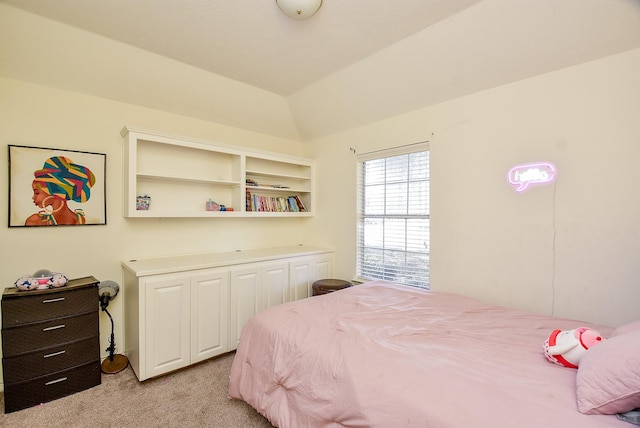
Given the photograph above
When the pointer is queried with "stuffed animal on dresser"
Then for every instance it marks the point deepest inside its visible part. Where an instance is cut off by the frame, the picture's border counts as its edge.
(41, 280)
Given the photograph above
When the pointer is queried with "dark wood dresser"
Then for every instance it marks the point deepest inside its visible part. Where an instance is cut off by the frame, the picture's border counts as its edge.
(50, 342)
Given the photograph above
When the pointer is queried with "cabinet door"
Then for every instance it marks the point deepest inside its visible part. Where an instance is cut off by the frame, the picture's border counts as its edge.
(255, 287)
(209, 314)
(246, 300)
(167, 322)
(304, 271)
(322, 267)
(300, 274)
(275, 284)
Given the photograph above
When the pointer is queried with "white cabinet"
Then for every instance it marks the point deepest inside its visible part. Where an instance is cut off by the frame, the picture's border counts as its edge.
(180, 175)
(255, 287)
(179, 319)
(183, 309)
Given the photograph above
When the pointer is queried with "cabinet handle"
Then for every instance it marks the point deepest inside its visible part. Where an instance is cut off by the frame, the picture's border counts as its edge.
(55, 327)
(55, 354)
(59, 299)
(62, 379)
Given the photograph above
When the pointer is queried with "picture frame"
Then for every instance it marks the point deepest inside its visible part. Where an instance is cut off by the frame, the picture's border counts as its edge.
(56, 187)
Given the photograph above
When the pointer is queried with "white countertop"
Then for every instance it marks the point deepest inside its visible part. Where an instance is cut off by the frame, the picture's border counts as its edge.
(186, 262)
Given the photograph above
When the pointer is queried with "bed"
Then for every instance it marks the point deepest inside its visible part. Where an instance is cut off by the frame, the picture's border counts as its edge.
(387, 355)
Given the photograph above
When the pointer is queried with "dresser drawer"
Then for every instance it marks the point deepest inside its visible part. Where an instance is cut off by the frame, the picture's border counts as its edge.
(31, 337)
(27, 308)
(46, 388)
(50, 360)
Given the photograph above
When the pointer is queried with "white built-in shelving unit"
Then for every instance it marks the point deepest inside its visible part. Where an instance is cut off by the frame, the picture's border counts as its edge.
(181, 174)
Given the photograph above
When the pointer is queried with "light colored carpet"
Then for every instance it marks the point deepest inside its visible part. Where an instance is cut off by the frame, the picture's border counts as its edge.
(193, 397)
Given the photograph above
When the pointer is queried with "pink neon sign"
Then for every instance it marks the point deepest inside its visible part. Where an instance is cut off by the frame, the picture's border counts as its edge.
(530, 174)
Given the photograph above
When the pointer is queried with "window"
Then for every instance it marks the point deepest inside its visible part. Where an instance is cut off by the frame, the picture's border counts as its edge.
(393, 216)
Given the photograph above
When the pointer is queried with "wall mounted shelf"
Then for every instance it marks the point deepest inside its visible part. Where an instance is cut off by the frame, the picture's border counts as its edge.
(179, 175)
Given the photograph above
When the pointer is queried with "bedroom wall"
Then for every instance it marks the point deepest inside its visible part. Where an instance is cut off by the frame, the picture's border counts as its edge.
(41, 50)
(40, 116)
(569, 249)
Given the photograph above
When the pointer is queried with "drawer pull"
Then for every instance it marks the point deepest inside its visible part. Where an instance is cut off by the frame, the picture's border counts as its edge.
(55, 327)
(59, 299)
(55, 354)
(62, 379)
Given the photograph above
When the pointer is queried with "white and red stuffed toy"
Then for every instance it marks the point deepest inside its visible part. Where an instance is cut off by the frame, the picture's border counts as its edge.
(41, 280)
(566, 347)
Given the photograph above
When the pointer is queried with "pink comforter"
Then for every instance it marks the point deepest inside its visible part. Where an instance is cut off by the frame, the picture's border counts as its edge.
(384, 355)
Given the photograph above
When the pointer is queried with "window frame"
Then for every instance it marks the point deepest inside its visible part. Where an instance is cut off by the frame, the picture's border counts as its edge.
(361, 216)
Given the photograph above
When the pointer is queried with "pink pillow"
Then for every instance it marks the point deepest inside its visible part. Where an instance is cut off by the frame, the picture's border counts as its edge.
(608, 379)
(627, 328)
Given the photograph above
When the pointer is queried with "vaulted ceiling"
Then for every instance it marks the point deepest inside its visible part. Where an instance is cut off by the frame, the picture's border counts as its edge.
(367, 59)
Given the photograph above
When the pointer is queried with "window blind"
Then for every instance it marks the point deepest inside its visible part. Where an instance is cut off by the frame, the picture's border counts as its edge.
(393, 216)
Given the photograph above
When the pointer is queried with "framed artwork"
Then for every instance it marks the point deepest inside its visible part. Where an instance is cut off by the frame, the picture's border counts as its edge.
(52, 187)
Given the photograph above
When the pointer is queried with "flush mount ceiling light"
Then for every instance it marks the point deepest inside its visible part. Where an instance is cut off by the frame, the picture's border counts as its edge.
(299, 9)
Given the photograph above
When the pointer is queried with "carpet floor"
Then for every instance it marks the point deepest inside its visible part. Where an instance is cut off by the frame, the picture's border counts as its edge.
(196, 396)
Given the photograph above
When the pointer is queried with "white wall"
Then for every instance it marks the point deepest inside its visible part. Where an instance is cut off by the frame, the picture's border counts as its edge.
(570, 249)
(44, 51)
(38, 116)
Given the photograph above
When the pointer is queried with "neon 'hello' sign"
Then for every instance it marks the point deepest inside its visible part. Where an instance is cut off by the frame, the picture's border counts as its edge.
(530, 174)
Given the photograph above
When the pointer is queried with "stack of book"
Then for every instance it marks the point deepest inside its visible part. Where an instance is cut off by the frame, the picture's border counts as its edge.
(261, 203)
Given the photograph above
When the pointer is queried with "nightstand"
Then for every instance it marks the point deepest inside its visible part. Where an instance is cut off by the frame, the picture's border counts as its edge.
(50, 342)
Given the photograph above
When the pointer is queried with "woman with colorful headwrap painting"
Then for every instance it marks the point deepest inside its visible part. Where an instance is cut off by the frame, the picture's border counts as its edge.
(59, 181)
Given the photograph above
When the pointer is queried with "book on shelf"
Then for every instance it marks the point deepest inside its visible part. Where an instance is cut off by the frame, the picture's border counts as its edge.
(300, 204)
(261, 203)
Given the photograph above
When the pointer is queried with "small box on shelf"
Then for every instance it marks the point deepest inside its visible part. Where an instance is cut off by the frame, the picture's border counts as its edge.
(143, 203)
